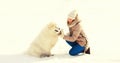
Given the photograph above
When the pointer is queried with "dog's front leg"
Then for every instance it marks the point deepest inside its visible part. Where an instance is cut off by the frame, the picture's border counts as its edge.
(45, 55)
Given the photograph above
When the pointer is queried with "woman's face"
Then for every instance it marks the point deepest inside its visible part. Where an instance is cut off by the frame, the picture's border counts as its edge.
(69, 21)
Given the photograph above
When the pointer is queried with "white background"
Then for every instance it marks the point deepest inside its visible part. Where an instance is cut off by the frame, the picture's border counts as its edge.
(22, 20)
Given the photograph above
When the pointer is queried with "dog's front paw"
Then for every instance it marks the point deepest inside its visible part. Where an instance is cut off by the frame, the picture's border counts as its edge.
(44, 55)
(62, 33)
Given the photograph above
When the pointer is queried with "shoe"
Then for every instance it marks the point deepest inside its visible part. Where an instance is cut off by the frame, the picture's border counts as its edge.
(87, 51)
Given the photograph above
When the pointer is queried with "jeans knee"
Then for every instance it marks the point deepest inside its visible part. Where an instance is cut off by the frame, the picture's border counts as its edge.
(72, 53)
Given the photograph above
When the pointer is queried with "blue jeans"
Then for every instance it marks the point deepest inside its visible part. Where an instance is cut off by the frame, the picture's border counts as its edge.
(76, 48)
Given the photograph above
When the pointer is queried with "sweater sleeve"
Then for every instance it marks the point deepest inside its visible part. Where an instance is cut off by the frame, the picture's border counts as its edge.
(74, 36)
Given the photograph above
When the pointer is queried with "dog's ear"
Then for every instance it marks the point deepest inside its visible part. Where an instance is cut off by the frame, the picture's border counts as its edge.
(51, 25)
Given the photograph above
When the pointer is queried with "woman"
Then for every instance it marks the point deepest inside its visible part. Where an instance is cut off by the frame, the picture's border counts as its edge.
(76, 37)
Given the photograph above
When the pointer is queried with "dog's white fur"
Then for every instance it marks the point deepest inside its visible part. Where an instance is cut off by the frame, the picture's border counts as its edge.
(43, 43)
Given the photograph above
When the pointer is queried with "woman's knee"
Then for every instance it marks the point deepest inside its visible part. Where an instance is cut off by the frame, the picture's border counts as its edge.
(76, 50)
(72, 53)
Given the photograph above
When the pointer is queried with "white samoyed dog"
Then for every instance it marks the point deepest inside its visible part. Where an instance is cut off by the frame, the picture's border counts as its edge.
(45, 41)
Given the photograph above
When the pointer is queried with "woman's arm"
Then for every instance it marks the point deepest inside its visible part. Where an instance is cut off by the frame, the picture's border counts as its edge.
(74, 36)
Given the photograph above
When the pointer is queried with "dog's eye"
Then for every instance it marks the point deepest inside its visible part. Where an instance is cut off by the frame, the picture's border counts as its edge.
(56, 30)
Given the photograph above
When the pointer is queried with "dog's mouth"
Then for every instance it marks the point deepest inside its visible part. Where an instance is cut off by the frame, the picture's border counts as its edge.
(60, 33)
